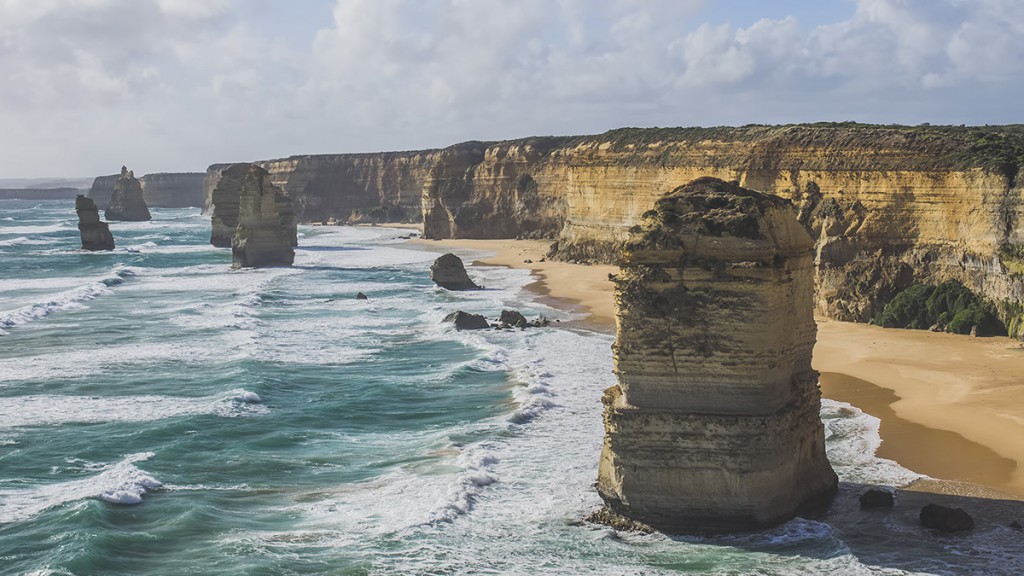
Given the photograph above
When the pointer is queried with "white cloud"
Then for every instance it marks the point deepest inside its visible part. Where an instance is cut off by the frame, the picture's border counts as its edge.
(178, 84)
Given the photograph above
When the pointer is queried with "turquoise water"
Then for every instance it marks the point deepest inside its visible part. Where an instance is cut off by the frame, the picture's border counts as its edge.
(162, 414)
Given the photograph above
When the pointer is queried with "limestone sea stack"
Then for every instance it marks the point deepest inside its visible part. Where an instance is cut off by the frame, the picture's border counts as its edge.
(95, 234)
(449, 273)
(714, 425)
(127, 203)
(265, 234)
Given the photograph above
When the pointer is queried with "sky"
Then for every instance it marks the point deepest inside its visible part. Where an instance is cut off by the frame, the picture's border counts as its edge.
(176, 85)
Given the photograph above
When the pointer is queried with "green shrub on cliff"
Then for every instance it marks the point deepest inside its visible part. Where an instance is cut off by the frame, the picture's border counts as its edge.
(950, 306)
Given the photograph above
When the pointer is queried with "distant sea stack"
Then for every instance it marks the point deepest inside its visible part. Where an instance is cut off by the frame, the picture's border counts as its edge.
(714, 425)
(266, 231)
(127, 203)
(95, 234)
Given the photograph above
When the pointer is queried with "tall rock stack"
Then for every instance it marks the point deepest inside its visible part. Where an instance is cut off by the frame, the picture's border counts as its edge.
(224, 204)
(266, 229)
(127, 203)
(714, 425)
(95, 234)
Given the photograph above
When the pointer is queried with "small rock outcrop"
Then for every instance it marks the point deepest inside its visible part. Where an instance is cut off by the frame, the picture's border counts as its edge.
(946, 519)
(714, 425)
(265, 234)
(875, 498)
(361, 296)
(467, 321)
(95, 233)
(127, 203)
(449, 273)
(513, 318)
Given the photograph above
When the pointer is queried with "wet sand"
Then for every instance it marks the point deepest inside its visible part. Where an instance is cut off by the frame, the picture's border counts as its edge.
(951, 407)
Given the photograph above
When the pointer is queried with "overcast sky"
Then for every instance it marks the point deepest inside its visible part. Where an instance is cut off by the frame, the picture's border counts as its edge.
(175, 85)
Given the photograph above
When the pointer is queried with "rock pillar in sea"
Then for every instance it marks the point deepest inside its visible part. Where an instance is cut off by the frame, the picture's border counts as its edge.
(714, 425)
(266, 230)
(127, 203)
(95, 234)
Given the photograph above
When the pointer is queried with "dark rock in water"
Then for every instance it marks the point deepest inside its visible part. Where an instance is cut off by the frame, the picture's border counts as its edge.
(127, 203)
(876, 499)
(448, 272)
(265, 232)
(513, 318)
(95, 234)
(467, 321)
(946, 519)
(1016, 526)
(361, 296)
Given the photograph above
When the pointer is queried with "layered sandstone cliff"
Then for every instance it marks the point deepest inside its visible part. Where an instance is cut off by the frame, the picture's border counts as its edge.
(173, 189)
(127, 202)
(714, 423)
(383, 187)
(888, 206)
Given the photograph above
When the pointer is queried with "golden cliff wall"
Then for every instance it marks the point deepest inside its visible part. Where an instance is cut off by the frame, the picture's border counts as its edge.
(889, 206)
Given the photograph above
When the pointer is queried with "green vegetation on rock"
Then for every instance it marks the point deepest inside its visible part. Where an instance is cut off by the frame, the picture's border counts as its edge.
(950, 306)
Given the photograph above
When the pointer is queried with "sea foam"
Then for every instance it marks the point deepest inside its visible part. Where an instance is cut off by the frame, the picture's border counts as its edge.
(67, 300)
(118, 483)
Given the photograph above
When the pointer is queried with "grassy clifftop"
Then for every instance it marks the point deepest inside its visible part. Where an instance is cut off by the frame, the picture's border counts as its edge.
(999, 149)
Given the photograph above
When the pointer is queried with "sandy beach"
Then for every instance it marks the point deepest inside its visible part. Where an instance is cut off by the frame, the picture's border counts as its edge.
(951, 407)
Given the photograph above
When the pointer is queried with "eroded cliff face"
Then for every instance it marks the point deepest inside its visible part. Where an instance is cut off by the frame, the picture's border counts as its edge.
(173, 190)
(161, 190)
(714, 423)
(347, 188)
(888, 206)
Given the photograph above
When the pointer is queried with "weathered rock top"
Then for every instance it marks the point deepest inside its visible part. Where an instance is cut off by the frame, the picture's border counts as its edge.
(710, 219)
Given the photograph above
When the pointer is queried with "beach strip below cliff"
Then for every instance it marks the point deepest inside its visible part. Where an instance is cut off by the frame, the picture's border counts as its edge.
(951, 407)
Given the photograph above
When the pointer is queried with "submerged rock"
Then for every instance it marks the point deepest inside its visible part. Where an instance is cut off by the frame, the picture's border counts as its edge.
(449, 273)
(714, 425)
(127, 203)
(266, 223)
(875, 498)
(361, 296)
(467, 321)
(946, 519)
(95, 234)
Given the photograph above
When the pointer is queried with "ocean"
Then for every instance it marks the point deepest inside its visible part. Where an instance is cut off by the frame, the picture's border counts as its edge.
(163, 414)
